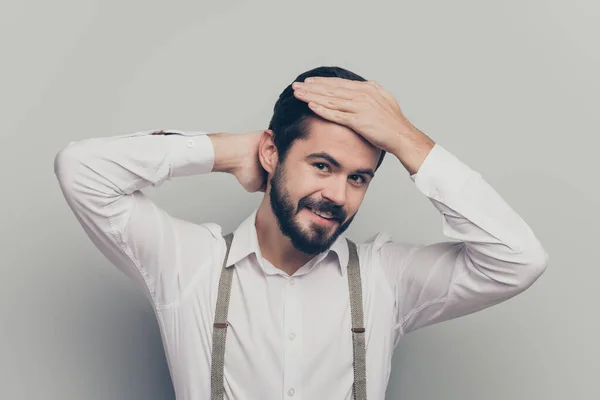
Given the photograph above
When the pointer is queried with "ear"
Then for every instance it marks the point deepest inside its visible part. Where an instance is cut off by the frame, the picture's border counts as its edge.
(267, 152)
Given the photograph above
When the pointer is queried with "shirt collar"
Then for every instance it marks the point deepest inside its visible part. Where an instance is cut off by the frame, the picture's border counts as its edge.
(245, 242)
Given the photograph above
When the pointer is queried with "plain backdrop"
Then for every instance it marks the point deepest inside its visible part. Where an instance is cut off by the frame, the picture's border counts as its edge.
(511, 88)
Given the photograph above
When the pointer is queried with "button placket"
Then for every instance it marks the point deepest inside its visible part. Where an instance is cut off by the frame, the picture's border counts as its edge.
(293, 345)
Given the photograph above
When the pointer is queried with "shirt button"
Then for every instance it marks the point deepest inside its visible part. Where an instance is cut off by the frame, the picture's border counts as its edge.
(291, 392)
(292, 282)
(292, 336)
(190, 143)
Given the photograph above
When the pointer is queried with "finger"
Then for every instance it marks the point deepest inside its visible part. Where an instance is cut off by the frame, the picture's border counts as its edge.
(326, 101)
(327, 90)
(333, 81)
(336, 116)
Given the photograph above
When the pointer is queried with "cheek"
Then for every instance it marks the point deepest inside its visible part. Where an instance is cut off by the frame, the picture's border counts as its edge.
(302, 184)
(297, 190)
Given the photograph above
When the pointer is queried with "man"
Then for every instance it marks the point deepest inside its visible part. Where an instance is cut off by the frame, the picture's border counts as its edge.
(292, 313)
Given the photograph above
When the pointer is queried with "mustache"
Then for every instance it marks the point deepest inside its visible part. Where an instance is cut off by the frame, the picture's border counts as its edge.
(337, 212)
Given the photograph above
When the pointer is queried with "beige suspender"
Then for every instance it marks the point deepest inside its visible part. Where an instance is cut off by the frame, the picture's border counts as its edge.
(220, 327)
(356, 310)
(358, 325)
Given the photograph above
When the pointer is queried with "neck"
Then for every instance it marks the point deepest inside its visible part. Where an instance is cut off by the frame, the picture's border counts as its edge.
(274, 245)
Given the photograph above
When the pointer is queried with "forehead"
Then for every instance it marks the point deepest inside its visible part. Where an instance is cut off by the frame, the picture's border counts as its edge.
(340, 142)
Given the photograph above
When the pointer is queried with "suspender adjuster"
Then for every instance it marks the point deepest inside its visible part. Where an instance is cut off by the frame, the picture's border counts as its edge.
(358, 330)
(221, 324)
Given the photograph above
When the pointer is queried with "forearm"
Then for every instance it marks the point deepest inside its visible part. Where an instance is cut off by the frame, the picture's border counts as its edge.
(490, 256)
(118, 165)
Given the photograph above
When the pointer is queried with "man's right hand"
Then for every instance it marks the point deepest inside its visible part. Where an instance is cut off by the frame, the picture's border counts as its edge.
(237, 154)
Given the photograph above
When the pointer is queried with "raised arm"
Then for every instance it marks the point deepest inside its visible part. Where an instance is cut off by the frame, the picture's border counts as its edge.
(101, 180)
(494, 255)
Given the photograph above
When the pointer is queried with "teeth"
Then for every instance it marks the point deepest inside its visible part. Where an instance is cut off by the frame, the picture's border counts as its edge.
(326, 215)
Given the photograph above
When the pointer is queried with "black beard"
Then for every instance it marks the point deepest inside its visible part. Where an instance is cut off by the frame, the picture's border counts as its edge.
(313, 242)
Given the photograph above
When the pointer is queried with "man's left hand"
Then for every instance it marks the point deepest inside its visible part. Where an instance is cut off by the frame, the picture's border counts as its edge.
(365, 107)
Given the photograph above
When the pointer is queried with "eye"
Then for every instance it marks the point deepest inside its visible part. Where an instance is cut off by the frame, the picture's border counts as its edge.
(358, 179)
(320, 166)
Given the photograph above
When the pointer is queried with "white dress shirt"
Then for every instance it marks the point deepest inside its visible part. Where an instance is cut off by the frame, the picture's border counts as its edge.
(289, 336)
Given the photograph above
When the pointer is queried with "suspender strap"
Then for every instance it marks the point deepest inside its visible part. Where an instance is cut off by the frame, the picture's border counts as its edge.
(358, 326)
(220, 327)
(356, 309)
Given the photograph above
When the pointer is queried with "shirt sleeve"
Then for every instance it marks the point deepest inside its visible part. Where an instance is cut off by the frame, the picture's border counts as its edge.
(493, 254)
(101, 180)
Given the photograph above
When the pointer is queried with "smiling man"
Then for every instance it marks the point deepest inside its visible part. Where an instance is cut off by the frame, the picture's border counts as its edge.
(317, 203)
(286, 306)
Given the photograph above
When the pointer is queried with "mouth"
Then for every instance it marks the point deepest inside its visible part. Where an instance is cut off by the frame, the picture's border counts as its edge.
(323, 218)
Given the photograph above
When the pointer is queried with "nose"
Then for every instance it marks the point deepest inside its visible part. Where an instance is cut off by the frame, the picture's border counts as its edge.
(335, 191)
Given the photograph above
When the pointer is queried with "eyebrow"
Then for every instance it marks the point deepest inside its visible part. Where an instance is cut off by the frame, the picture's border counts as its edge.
(325, 156)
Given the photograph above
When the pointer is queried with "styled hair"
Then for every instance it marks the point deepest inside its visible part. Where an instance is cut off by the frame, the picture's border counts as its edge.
(291, 116)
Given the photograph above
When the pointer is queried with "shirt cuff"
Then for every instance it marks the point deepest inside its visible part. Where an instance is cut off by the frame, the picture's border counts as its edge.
(190, 153)
(441, 173)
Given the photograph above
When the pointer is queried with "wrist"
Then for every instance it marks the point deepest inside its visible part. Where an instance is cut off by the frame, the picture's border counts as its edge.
(412, 149)
(228, 152)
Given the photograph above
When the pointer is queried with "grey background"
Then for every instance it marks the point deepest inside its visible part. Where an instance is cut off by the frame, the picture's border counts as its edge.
(511, 88)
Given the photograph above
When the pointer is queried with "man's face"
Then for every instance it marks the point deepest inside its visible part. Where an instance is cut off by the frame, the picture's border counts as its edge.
(328, 173)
